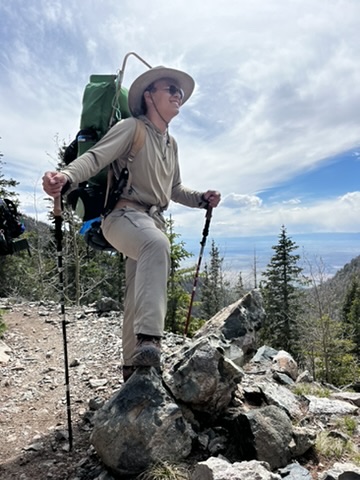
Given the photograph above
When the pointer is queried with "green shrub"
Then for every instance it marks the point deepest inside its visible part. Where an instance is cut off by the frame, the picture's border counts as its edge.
(311, 389)
(347, 424)
(2, 323)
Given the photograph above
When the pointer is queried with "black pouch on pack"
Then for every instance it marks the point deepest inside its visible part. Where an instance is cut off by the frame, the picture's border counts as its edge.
(87, 201)
(94, 237)
(10, 229)
(4, 245)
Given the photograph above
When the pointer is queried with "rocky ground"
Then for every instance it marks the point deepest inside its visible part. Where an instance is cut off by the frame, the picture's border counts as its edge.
(34, 441)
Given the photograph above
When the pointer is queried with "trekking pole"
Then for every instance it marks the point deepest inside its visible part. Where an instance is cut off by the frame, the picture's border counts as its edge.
(196, 277)
(58, 236)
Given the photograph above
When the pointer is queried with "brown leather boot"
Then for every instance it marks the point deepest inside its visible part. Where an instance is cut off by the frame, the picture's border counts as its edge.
(147, 352)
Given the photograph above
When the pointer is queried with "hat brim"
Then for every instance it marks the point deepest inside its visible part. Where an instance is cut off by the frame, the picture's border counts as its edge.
(138, 87)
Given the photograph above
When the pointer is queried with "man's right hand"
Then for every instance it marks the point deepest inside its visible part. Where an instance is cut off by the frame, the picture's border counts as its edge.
(53, 183)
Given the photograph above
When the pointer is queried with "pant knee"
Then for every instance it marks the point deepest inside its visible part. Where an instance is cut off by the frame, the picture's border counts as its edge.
(159, 245)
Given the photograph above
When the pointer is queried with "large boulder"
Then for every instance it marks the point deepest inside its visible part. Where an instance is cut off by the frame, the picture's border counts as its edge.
(263, 434)
(238, 324)
(220, 469)
(342, 471)
(140, 425)
(202, 377)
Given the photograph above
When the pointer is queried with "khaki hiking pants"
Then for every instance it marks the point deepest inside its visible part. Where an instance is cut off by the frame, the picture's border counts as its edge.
(135, 234)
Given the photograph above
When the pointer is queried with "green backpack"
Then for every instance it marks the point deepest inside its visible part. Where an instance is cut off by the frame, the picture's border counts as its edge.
(103, 105)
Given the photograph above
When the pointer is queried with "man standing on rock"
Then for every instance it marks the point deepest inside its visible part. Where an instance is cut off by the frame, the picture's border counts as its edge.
(136, 225)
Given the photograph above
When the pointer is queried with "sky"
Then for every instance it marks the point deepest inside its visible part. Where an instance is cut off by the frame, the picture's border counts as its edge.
(273, 123)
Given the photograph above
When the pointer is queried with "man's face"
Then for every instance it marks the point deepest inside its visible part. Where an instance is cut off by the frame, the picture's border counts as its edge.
(167, 97)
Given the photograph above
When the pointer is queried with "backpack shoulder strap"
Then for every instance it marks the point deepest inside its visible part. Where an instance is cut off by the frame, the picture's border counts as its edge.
(137, 144)
(138, 140)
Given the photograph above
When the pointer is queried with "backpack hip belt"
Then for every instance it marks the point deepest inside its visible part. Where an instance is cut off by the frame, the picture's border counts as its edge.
(151, 210)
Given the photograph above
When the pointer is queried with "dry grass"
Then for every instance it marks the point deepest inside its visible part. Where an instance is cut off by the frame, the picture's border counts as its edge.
(165, 471)
(333, 448)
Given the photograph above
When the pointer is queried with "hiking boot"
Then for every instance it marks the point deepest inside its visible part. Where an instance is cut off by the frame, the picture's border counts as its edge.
(147, 352)
(127, 370)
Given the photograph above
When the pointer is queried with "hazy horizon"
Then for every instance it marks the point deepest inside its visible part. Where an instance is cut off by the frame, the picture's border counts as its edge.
(334, 250)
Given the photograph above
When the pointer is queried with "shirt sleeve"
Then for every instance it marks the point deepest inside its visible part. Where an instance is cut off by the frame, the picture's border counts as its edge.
(115, 144)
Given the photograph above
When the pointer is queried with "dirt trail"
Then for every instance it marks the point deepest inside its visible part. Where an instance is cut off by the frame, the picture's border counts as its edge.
(33, 419)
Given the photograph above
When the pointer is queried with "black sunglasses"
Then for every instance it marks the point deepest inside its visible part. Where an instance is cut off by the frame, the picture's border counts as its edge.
(172, 89)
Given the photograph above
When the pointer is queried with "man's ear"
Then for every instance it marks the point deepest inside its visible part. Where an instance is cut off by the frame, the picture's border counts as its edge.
(147, 97)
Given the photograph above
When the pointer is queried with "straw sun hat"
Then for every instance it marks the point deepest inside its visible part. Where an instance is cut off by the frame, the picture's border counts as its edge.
(138, 87)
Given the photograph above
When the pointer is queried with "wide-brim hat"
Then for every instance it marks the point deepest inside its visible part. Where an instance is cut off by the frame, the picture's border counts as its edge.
(138, 87)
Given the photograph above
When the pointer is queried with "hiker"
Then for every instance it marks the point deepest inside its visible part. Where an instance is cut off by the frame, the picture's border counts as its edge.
(136, 225)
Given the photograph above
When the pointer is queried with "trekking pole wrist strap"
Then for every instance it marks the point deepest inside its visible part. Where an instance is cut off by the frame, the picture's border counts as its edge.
(66, 188)
(204, 203)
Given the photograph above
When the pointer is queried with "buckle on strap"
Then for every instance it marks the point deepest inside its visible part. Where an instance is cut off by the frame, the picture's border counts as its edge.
(154, 209)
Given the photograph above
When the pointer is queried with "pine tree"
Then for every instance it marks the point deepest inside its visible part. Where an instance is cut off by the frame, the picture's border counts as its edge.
(334, 361)
(214, 288)
(351, 315)
(239, 289)
(281, 291)
(6, 185)
(178, 296)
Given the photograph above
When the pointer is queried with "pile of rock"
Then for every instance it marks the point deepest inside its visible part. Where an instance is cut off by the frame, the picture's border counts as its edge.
(221, 399)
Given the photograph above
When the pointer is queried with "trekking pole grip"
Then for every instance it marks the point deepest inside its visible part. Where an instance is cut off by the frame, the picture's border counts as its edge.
(57, 206)
(207, 224)
(209, 211)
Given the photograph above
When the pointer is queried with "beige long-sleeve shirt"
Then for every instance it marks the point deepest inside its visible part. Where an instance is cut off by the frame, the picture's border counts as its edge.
(154, 172)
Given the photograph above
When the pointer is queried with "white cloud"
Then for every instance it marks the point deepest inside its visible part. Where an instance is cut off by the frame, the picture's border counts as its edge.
(277, 94)
(292, 201)
(235, 200)
(239, 216)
